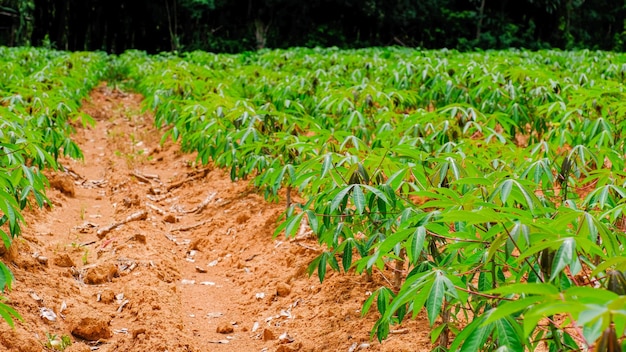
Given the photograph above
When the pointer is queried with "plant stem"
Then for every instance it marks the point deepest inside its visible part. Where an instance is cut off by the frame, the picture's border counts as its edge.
(288, 196)
(398, 272)
(555, 334)
(444, 337)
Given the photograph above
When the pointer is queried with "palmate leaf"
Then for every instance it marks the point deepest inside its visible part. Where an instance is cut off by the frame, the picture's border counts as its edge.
(411, 289)
(511, 189)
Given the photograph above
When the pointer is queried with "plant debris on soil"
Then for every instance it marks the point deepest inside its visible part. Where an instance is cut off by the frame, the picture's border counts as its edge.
(144, 250)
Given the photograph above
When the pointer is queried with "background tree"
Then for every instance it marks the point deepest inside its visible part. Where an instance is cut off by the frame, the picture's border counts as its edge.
(239, 25)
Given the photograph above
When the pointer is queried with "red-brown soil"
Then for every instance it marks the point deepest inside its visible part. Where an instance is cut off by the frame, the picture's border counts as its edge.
(196, 268)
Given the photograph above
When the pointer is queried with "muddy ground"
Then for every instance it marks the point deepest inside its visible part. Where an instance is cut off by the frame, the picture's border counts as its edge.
(192, 266)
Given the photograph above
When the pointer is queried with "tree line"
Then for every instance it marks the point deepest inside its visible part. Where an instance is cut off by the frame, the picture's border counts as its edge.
(241, 25)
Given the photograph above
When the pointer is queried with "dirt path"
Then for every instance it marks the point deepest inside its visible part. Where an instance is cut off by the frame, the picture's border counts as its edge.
(195, 268)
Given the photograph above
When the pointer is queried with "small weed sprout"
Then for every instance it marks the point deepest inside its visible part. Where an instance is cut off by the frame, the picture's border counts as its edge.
(58, 343)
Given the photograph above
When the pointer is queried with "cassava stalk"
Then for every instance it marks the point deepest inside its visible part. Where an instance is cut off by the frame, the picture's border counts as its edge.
(399, 269)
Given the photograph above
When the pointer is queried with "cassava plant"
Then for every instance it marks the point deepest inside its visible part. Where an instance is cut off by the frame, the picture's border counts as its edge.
(487, 188)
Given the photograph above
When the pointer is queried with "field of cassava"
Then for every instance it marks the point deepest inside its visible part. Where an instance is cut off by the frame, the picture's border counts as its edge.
(482, 194)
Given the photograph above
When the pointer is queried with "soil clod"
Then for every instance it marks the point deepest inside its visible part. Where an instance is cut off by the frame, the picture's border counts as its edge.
(100, 274)
(225, 328)
(283, 289)
(268, 335)
(91, 326)
(63, 260)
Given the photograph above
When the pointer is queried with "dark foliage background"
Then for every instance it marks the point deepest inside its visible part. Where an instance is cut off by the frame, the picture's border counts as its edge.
(239, 25)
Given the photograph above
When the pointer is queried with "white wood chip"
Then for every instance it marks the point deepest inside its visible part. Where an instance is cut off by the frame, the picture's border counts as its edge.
(47, 313)
(220, 342)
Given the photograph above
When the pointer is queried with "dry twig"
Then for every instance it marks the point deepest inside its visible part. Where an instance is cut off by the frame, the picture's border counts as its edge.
(140, 215)
(196, 176)
(141, 177)
(156, 209)
(202, 205)
(191, 227)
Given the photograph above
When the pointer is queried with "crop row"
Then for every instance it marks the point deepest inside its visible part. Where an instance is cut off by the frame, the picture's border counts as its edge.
(490, 186)
(40, 92)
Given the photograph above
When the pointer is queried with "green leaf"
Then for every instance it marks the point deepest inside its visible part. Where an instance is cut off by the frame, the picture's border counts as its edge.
(495, 246)
(321, 266)
(7, 206)
(327, 163)
(390, 242)
(505, 190)
(6, 277)
(382, 302)
(7, 313)
(477, 338)
(508, 335)
(564, 256)
(314, 265)
(380, 194)
(346, 259)
(416, 244)
(620, 262)
(6, 239)
(542, 289)
(313, 222)
(546, 309)
(471, 217)
(434, 334)
(339, 198)
(511, 308)
(590, 294)
(358, 198)
(436, 297)
(293, 224)
(419, 298)
(368, 304)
